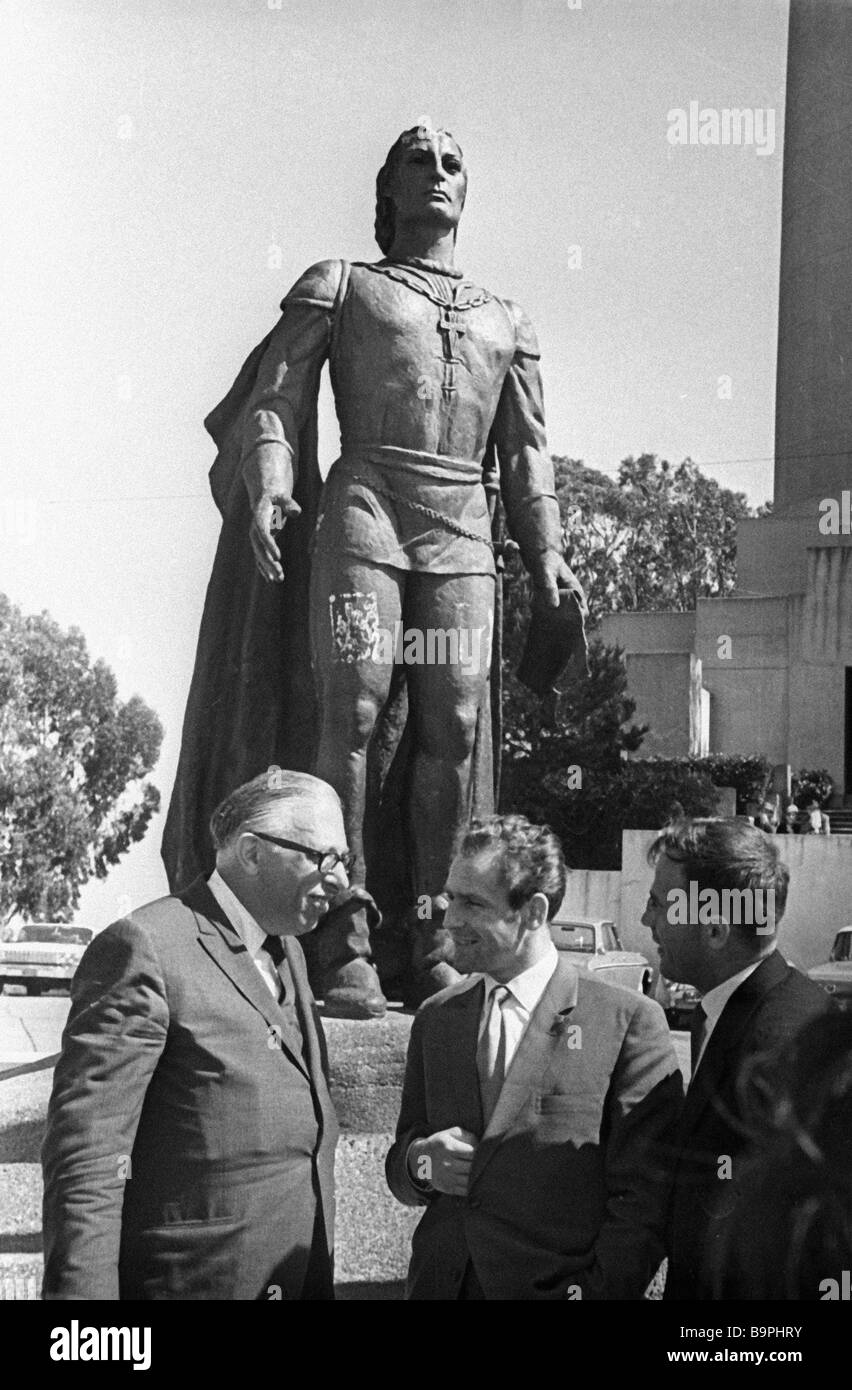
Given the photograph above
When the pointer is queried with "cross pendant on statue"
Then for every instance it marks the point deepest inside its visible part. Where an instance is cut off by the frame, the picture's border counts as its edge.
(451, 327)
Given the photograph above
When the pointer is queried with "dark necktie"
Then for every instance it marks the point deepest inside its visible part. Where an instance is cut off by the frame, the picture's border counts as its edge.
(491, 1052)
(697, 1030)
(274, 947)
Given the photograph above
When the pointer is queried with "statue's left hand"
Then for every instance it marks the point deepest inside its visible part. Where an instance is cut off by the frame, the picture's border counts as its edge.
(552, 574)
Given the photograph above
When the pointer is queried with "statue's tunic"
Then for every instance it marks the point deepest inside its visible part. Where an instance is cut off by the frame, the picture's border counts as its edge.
(425, 366)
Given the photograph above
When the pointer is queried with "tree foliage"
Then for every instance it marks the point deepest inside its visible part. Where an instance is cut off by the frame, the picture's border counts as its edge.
(73, 759)
(656, 537)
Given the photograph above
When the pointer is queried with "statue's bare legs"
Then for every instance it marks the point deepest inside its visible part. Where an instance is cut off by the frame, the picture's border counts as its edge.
(364, 618)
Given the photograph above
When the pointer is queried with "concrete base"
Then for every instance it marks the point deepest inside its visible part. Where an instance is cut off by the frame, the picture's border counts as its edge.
(367, 1065)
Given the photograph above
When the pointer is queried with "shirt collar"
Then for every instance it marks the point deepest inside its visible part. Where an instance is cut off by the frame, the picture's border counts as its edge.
(714, 1001)
(240, 919)
(529, 986)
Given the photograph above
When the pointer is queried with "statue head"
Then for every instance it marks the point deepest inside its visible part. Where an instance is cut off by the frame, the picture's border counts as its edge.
(420, 136)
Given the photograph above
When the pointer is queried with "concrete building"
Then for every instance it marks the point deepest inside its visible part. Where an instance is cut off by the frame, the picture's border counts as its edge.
(769, 669)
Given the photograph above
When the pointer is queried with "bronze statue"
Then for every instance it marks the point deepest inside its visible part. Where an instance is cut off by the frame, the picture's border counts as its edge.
(361, 643)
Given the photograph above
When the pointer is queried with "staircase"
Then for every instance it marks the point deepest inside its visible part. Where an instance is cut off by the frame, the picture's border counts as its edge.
(840, 819)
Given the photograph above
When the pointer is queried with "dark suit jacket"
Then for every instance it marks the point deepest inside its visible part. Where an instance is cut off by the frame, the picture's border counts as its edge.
(569, 1184)
(759, 1019)
(189, 1149)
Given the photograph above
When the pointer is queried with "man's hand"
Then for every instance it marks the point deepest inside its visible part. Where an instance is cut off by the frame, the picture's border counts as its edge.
(269, 514)
(551, 574)
(444, 1160)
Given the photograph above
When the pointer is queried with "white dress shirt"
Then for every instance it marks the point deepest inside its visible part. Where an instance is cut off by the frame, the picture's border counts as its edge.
(714, 1001)
(251, 935)
(525, 992)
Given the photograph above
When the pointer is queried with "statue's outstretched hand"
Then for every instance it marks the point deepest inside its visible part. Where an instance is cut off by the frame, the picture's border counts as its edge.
(268, 516)
(552, 574)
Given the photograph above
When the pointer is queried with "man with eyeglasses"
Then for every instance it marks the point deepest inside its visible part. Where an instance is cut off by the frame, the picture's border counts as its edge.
(190, 1142)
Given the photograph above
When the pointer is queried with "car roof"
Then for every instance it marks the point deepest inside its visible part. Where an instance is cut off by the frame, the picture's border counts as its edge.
(570, 920)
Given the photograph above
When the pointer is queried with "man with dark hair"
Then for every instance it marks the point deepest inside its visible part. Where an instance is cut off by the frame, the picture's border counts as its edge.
(718, 895)
(190, 1139)
(538, 1104)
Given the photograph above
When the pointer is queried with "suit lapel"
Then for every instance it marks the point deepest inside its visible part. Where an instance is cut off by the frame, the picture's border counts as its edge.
(222, 942)
(532, 1059)
(726, 1036)
(459, 1034)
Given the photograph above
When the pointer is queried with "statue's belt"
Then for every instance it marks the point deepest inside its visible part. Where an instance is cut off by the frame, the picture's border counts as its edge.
(409, 465)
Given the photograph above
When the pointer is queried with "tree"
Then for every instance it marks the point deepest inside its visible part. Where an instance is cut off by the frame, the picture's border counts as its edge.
(72, 762)
(654, 537)
(657, 537)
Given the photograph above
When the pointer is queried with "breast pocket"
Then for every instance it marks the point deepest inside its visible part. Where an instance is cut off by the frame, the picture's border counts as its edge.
(564, 1118)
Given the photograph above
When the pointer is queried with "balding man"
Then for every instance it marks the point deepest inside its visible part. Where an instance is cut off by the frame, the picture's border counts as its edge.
(190, 1140)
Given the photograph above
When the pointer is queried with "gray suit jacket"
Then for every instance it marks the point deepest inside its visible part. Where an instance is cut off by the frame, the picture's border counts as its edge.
(190, 1146)
(569, 1183)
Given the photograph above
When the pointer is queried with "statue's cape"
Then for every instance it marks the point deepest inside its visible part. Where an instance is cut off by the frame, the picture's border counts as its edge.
(252, 702)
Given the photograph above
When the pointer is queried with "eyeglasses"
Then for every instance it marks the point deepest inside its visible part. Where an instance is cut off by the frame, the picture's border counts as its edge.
(326, 860)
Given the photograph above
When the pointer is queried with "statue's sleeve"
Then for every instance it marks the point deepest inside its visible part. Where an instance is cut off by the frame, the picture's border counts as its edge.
(527, 484)
(287, 380)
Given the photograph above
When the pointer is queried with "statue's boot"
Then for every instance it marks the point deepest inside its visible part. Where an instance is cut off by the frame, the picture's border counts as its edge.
(431, 951)
(340, 970)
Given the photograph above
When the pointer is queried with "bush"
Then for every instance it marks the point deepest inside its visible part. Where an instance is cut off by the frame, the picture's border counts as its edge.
(640, 795)
(748, 774)
(812, 784)
(590, 819)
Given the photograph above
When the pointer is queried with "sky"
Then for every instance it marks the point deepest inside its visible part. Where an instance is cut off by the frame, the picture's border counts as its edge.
(171, 168)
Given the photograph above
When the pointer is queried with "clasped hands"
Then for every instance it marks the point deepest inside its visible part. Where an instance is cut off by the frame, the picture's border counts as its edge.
(444, 1160)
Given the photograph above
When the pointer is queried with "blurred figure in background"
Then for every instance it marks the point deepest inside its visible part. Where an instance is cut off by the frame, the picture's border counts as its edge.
(791, 1237)
(812, 820)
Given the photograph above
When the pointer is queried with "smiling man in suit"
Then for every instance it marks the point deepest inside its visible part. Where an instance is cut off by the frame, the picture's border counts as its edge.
(718, 895)
(190, 1140)
(538, 1103)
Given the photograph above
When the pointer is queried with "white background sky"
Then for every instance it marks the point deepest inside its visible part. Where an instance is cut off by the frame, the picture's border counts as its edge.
(155, 151)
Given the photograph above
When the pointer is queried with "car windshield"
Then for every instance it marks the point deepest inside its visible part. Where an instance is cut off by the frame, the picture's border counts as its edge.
(575, 938)
(56, 934)
(842, 949)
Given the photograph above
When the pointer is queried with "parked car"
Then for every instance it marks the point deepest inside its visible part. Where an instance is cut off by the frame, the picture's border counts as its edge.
(678, 1000)
(593, 946)
(836, 975)
(43, 955)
